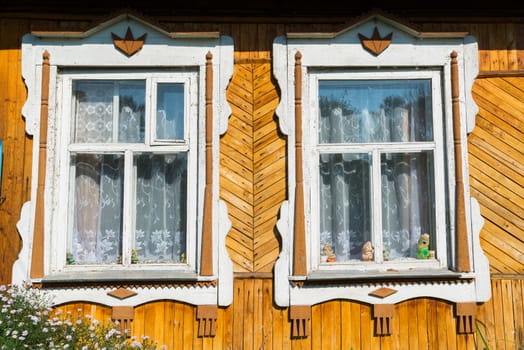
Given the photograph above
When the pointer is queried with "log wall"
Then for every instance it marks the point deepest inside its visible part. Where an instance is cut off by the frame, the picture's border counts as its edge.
(253, 173)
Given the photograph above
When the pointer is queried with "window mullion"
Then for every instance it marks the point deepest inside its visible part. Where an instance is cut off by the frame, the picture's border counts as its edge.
(116, 102)
(376, 227)
(128, 208)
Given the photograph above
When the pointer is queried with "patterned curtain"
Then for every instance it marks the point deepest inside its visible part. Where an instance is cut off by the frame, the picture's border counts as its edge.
(346, 181)
(160, 184)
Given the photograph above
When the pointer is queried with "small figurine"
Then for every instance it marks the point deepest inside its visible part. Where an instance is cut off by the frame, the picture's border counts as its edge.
(367, 251)
(423, 246)
(328, 252)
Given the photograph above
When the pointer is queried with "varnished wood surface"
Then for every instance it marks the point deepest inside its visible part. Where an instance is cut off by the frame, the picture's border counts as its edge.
(252, 177)
(252, 322)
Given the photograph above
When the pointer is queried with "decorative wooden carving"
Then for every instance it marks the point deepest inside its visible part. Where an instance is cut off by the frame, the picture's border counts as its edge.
(299, 245)
(461, 234)
(376, 44)
(300, 315)
(37, 257)
(122, 293)
(207, 320)
(123, 315)
(383, 292)
(129, 45)
(465, 313)
(206, 266)
(383, 313)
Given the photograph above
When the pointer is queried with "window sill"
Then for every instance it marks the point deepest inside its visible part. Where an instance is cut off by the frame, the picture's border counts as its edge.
(323, 276)
(146, 276)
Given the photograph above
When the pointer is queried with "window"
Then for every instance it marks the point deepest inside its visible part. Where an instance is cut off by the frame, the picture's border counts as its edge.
(378, 157)
(131, 168)
(126, 119)
(379, 211)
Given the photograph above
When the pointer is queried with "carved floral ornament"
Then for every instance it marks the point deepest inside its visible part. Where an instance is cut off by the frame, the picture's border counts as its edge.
(376, 44)
(129, 45)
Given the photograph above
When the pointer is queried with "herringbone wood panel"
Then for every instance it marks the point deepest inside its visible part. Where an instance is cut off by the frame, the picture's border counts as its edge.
(496, 160)
(252, 168)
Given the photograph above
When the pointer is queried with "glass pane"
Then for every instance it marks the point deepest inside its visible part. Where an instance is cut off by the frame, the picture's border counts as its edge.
(161, 208)
(345, 206)
(97, 208)
(170, 112)
(408, 203)
(131, 121)
(360, 111)
(93, 111)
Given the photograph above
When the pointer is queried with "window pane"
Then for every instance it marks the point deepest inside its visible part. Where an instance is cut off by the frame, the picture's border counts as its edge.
(408, 205)
(161, 197)
(170, 112)
(345, 208)
(131, 121)
(359, 111)
(94, 111)
(97, 209)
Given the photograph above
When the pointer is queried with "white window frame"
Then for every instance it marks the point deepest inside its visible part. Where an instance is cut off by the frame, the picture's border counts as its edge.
(62, 216)
(208, 55)
(312, 149)
(313, 54)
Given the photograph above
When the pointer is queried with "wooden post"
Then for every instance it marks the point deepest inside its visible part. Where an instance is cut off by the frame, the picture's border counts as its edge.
(299, 242)
(461, 233)
(206, 263)
(37, 257)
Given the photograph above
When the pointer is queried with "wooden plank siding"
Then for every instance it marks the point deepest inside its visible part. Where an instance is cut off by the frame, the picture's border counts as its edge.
(253, 322)
(253, 185)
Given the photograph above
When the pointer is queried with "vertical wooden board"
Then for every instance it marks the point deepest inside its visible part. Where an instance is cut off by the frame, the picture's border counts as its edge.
(267, 313)
(432, 323)
(518, 310)
(258, 300)
(493, 43)
(169, 329)
(447, 321)
(421, 311)
(188, 315)
(507, 307)
(346, 327)
(406, 320)
(238, 314)
(367, 326)
(484, 49)
(279, 317)
(326, 309)
(413, 327)
(316, 326)
(197, 341)
(513, 63)
(227, 332)
(138, 323)
(519, 42)
(498, 316)
(500, 30)
(355, 325)
(178, 341)
(485, 327)
(248, 311)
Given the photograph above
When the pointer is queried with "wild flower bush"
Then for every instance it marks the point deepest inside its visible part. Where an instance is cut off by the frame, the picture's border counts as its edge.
(28, 322)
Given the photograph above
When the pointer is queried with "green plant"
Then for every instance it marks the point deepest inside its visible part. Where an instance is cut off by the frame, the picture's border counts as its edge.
(28, 322)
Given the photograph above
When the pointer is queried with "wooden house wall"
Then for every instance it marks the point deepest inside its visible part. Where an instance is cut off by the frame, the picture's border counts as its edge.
(253, 184)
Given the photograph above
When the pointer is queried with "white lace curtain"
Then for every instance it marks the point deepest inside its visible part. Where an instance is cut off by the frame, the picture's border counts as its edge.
(345, 178)
(159, 220)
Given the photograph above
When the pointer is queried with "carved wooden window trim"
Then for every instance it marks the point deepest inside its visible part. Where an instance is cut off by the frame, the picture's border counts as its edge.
(384, 44)
(43, 61)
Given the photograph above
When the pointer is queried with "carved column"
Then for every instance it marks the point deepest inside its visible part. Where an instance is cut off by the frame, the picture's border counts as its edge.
(37, 258)
(299, 242)
(461, 234)
(206, 265)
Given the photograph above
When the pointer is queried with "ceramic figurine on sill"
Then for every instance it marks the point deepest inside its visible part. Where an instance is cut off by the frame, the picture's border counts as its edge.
(367, 251)
(423, 246)
(328, 253)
